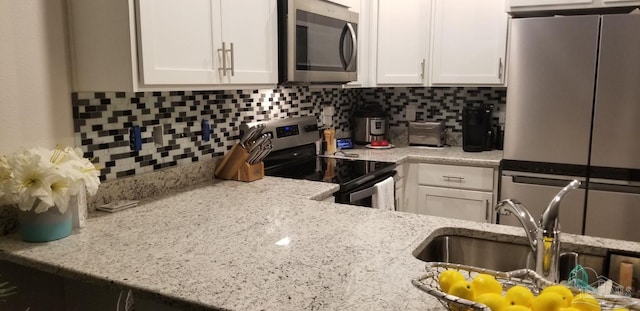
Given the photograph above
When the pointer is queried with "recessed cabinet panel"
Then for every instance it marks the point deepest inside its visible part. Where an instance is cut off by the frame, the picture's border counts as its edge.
(469, 42)
(402, 40)
(177, 42)
(454, 203)
(249, 25)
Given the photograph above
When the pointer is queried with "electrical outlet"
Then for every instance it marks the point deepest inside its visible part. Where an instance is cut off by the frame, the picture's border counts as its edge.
(157, 136)
(206, 130)
(410, 111)
(135, 138)
(501, 117)
(327, 115)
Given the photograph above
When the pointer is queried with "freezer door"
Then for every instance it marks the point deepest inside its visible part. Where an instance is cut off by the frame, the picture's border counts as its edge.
(614, 215)
(616, 126)
(535, 194)
(552, 66)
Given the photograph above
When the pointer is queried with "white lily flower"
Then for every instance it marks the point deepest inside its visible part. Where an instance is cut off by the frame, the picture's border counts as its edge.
(38, 178)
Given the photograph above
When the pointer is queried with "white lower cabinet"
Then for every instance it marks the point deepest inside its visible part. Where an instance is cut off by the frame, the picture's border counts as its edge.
(454, 203)
(452, 191)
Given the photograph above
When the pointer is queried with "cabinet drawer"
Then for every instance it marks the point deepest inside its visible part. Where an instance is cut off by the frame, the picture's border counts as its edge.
(453, 176)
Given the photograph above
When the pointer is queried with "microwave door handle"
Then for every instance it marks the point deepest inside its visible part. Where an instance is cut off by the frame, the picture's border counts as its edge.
(354, 50)
(343, 36)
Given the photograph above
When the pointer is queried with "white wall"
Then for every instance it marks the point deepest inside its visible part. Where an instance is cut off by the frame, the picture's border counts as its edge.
(35, 82)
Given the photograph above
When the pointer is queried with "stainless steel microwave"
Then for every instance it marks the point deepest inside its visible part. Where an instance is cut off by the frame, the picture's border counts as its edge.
(317, 42)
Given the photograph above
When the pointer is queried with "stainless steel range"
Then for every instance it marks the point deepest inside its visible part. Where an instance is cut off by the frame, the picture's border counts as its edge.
(295, 155)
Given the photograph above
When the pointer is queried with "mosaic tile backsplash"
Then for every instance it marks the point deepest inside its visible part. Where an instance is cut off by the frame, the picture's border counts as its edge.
(434, 104)
(102, 121)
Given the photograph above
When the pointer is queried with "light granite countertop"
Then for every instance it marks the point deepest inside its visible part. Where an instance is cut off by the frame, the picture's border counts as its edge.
(440, 155)
(214, 245)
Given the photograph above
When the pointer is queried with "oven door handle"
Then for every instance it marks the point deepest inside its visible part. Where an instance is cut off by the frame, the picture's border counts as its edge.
(359, 195)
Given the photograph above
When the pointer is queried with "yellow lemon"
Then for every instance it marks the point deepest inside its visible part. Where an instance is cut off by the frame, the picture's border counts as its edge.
(620, 309)
(447, 278)
(519, 295)
(585, 302)
(547, 302)
(564, 291)
(492, 300)
(569, 309)
(462, 289)
(516, 308)
(484, 284)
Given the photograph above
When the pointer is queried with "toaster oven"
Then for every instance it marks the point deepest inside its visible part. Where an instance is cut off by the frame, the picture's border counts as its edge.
(427, 133)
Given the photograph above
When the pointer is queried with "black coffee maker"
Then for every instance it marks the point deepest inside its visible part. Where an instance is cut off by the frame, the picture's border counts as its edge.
(477, 128)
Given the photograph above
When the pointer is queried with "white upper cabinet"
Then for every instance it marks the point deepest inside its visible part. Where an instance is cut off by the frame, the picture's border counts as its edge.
(468, 42)
(525, 6)
(438, 42)
(251, 27)
(400, 35)
(171, 51)
(208, 41)
(353, 5)
(144, 45)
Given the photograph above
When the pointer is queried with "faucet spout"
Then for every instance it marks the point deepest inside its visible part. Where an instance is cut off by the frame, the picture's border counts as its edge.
(516, 208)
(549, 220)
(548, 253)
(544, 237)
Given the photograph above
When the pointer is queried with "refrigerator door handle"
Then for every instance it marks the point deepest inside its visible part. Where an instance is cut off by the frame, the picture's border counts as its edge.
(542, 181)
(614, 188)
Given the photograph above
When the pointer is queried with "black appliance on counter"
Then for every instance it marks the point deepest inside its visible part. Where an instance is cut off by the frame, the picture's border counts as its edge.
(369, 123)
(295, 156)
(477, 128)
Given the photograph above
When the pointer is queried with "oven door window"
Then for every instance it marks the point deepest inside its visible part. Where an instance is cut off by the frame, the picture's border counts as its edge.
(324, 43)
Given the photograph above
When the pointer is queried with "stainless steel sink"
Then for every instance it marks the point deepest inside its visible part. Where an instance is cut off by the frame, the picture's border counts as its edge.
(498, 255)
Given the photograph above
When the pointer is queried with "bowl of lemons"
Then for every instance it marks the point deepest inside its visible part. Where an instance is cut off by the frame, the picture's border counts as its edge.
(466, 288)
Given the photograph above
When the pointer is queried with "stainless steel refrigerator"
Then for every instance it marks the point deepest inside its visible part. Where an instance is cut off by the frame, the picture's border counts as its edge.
(573, 112)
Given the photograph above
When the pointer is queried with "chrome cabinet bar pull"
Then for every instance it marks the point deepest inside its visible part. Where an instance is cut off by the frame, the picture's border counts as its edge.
(453, 178)
(486, 208)
(422, 69)
(224, 60)
(233, 63)
(500, 69)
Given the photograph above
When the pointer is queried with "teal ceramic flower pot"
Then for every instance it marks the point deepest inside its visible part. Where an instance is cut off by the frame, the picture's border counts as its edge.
(43, 227)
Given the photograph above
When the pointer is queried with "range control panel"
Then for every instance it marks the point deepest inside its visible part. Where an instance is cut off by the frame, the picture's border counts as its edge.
(286, 131)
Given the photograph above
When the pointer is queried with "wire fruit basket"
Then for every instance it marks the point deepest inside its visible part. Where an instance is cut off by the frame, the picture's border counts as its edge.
(523, 277)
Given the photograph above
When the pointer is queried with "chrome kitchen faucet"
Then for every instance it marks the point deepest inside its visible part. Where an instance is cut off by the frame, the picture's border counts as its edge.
(544, 237)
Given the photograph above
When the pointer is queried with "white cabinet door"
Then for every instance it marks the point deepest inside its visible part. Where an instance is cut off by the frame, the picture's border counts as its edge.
(178, 42)
(516, 3)
(182, 43)
(251, 27)
(454, 203)
(402, 32)
(469, 42)
(353, 5)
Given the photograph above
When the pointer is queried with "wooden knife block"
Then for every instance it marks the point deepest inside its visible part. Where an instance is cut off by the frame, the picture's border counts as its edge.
(250, 172)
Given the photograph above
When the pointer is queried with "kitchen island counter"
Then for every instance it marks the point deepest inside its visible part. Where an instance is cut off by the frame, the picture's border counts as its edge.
(254, 246)
(438, 155)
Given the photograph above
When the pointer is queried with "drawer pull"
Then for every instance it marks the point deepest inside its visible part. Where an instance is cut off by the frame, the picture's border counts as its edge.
(453, 178)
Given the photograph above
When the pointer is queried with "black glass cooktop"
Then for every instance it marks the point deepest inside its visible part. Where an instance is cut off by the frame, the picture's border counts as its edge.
(346, 172)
